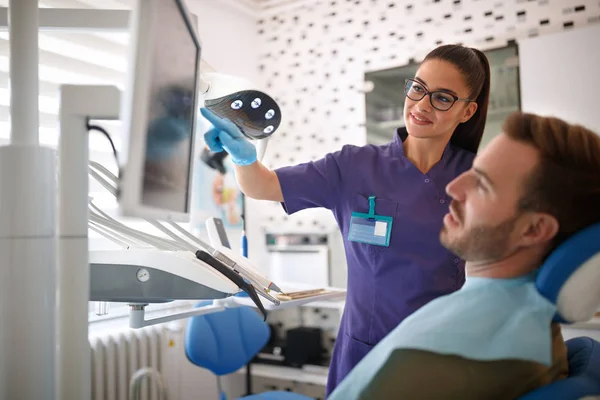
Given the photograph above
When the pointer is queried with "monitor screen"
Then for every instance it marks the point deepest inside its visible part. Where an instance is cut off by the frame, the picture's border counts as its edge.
(170, 115)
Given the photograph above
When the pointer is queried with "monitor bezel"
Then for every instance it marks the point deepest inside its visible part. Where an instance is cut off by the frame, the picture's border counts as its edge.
(135, 103)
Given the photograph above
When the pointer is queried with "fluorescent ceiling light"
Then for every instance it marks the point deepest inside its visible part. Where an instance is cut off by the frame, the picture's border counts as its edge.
(73, 50)
(60, 76)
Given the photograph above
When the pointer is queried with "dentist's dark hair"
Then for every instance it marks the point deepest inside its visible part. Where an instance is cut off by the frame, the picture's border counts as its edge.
(475, 67)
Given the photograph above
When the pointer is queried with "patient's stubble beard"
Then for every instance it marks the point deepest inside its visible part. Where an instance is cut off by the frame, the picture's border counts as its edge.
(480, 242)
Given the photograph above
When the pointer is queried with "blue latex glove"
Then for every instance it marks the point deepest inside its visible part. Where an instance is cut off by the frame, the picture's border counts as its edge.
(227, 136)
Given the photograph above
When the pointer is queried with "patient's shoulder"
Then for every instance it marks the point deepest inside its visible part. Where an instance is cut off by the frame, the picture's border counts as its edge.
(408, 374)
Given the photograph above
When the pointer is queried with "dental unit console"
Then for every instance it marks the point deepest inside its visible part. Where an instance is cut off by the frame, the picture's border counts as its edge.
(145, 276)
(154, 276)
(151, 269)
(141, 276)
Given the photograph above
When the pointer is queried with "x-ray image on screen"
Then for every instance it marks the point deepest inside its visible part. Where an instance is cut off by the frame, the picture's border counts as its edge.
(171, 115)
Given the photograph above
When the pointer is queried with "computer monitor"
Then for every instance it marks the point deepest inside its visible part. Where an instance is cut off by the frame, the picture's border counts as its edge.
(158, 112)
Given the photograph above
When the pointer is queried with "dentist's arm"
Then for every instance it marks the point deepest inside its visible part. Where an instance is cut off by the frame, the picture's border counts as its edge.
(259, 182)
(255, 180)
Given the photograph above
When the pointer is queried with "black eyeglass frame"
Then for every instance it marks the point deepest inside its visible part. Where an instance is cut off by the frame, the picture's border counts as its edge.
(427, 92)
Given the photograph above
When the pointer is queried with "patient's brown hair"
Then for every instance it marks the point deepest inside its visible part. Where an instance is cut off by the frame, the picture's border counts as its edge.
(566, 183)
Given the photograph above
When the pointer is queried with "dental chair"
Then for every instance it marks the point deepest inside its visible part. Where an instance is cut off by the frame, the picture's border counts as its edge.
(570, 278)
(225, 341)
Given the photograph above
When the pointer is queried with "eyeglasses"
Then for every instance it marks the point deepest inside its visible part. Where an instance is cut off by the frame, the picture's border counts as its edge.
(439, 100)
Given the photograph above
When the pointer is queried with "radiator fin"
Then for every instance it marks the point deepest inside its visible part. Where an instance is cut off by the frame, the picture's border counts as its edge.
(115, 358)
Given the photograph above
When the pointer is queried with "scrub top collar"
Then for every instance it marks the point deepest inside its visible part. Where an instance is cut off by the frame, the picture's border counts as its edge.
(398, 148)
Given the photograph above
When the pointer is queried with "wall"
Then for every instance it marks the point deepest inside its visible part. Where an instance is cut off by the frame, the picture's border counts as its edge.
(228, 37)
(313, 60)
(573, 97)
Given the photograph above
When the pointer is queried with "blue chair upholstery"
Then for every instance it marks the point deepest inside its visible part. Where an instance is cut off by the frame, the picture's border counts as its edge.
(570, 278)
(584, 373)
(223, 342)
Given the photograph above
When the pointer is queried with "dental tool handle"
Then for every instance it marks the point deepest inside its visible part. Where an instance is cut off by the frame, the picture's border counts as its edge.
(244, 244)
(234, 277)
(216, 232)
(243, 266)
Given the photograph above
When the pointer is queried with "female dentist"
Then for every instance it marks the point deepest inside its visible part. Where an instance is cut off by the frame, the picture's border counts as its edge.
(388, 200)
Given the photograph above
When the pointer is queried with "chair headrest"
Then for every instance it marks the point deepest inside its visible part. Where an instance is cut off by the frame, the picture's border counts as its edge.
(570, 276)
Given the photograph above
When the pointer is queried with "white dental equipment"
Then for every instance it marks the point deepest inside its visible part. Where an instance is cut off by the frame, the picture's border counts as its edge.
(45, 279)
(171, 276)
(216, 232)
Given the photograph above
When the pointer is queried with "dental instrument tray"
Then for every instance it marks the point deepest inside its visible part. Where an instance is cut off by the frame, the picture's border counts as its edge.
(302, 294)
(295, 298)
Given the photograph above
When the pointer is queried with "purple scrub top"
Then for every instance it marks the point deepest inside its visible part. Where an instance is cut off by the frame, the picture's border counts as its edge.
(385, 284)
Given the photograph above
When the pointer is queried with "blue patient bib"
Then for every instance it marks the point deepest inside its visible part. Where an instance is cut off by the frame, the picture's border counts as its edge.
(487, 319)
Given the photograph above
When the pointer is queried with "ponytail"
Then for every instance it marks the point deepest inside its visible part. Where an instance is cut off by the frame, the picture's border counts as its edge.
(476, 70)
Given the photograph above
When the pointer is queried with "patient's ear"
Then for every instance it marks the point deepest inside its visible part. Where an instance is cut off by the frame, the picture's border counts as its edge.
(540, 228)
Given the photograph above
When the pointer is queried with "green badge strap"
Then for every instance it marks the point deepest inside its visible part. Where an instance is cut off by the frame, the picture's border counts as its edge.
(371, 207)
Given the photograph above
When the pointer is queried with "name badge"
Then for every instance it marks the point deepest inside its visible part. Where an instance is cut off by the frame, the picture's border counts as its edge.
(370, 228)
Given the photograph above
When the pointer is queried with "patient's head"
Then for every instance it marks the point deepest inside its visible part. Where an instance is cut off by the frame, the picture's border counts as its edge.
(529, 189)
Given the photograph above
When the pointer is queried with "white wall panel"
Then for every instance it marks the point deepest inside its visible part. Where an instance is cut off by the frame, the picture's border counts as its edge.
(559, 75)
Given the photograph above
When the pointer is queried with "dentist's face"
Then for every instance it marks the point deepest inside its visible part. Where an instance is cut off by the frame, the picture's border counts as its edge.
(421, 118)
(484, 223)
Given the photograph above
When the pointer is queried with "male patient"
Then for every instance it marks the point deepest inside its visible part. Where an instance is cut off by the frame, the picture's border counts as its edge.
(533, 186)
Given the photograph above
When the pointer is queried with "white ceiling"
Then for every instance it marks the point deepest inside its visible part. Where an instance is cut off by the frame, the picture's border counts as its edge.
(259, 8)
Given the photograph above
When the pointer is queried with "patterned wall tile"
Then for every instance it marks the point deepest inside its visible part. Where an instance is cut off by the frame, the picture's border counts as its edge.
(314, 59)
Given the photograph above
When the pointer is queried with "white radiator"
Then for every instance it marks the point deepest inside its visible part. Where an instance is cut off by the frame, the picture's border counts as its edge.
(115, 358)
